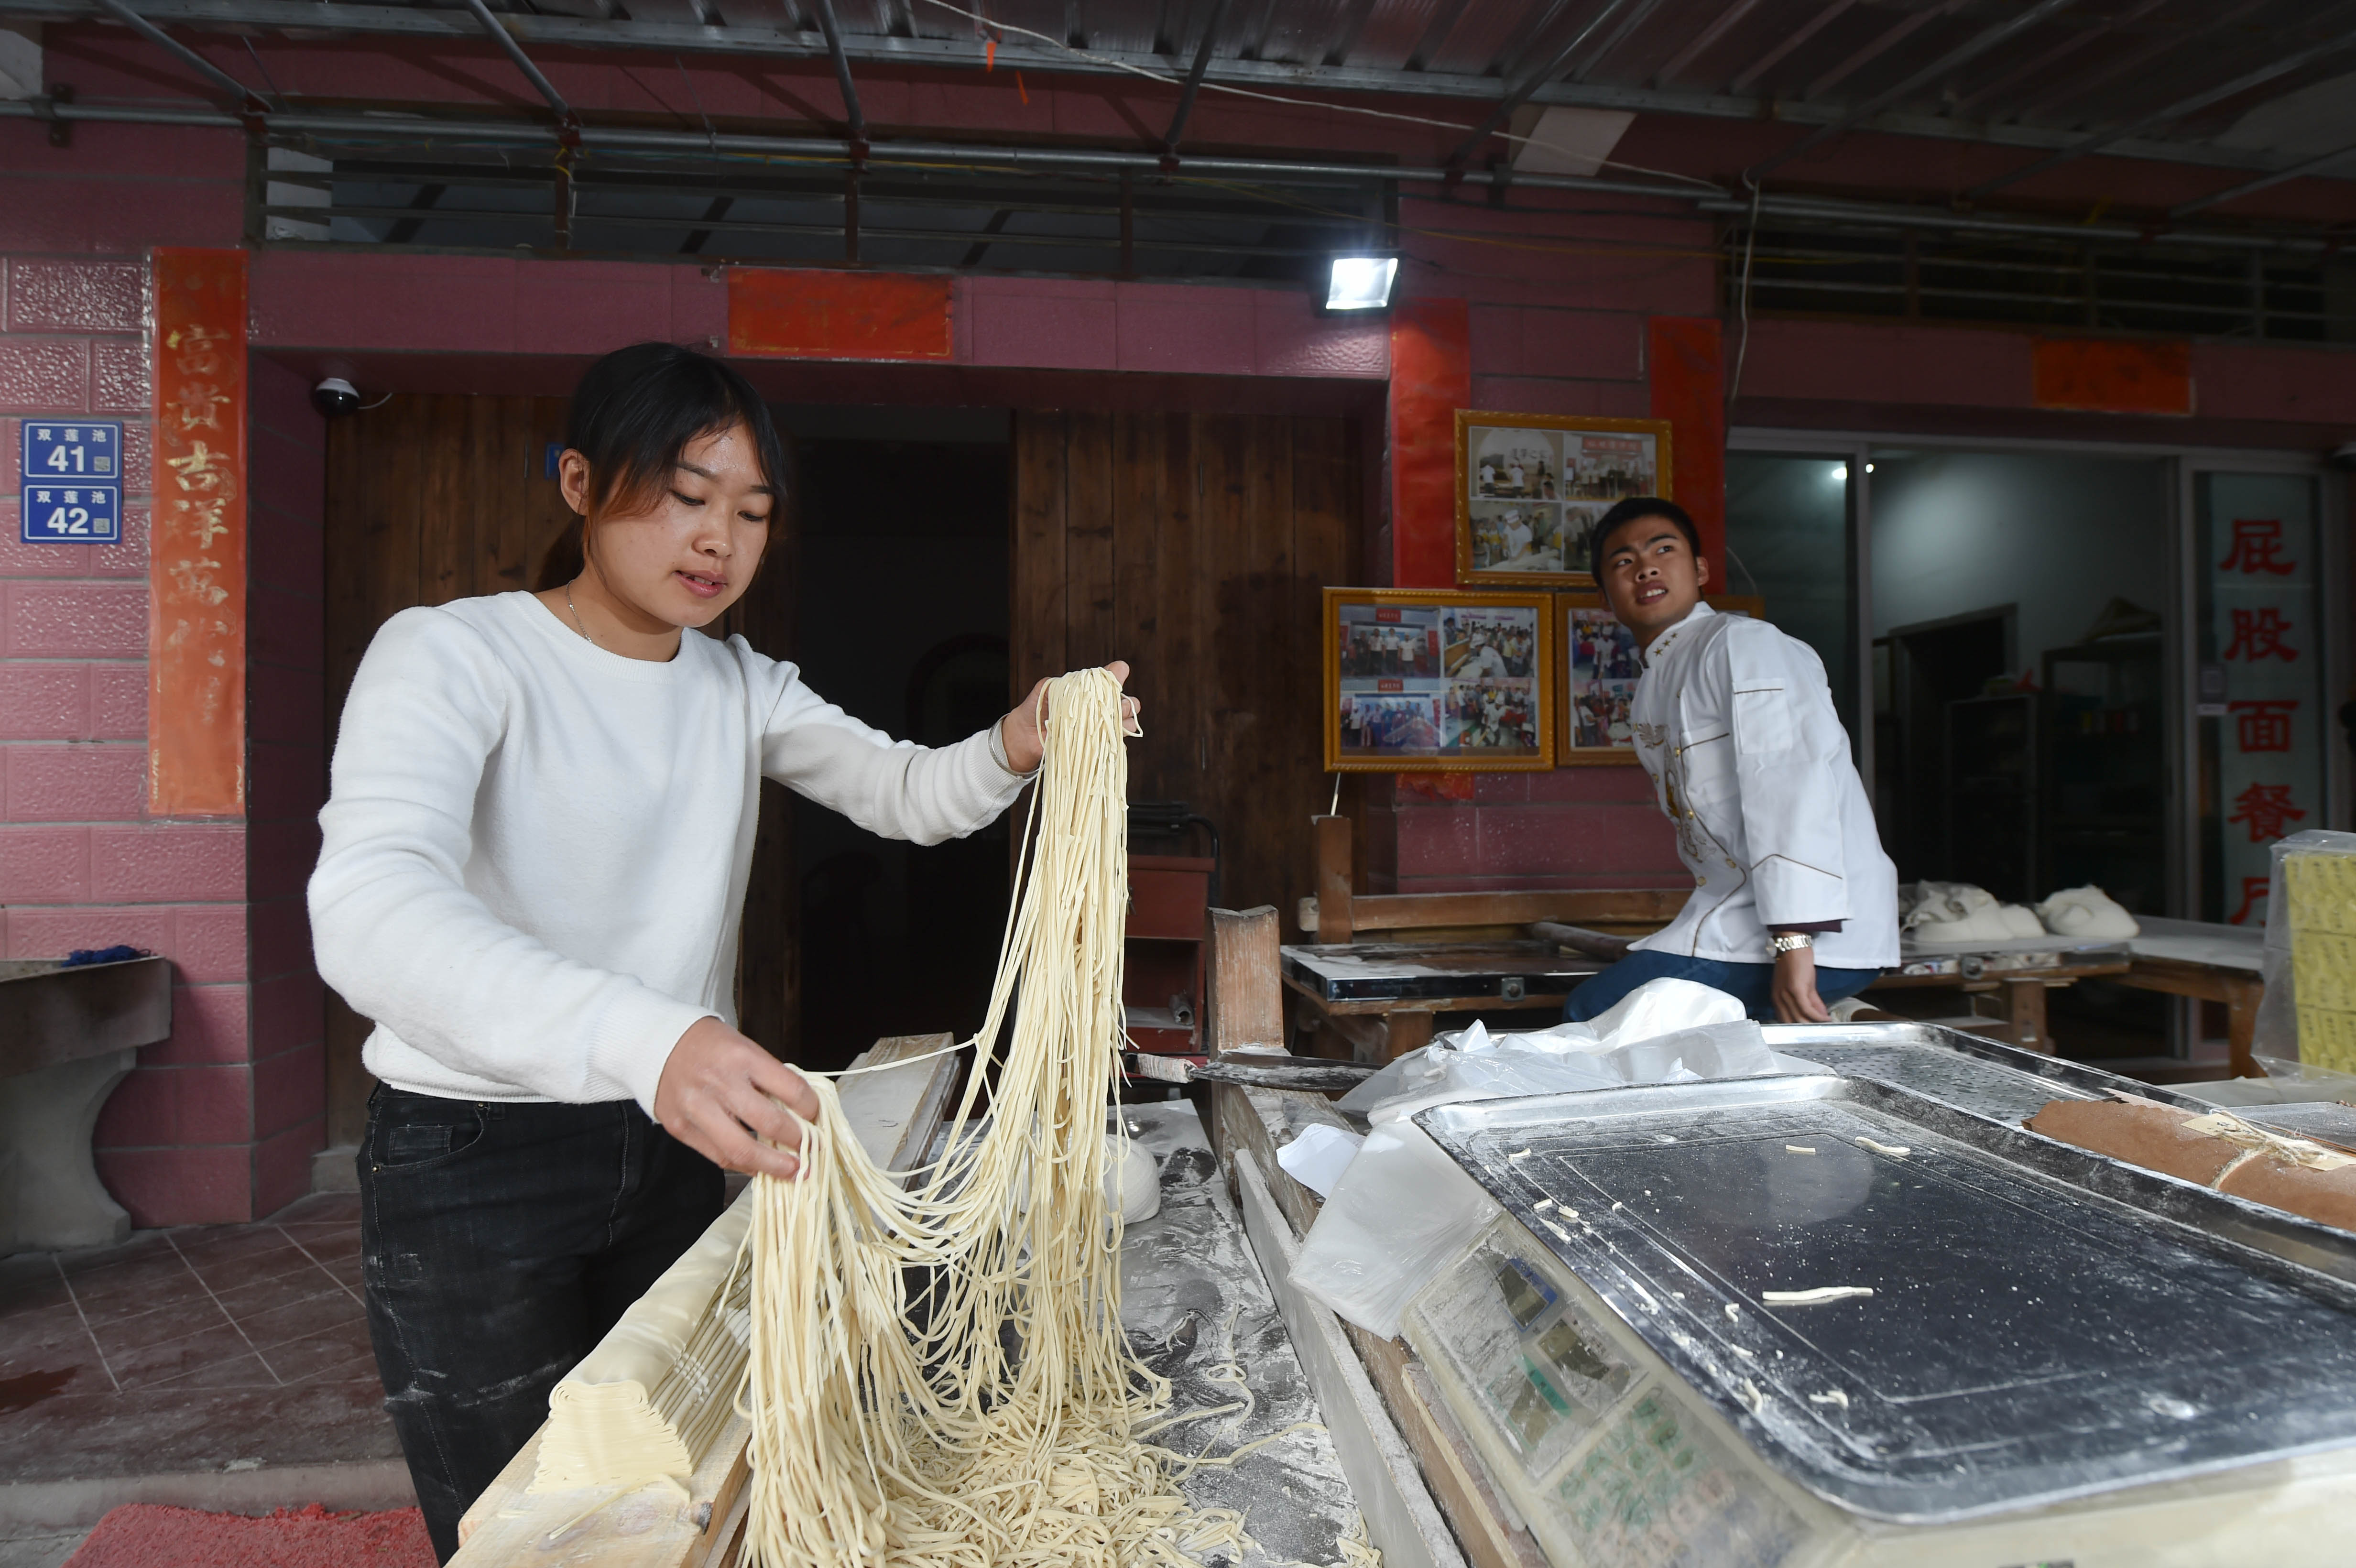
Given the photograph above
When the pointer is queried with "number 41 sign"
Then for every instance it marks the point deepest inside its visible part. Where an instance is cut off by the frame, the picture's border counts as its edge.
(72, 483)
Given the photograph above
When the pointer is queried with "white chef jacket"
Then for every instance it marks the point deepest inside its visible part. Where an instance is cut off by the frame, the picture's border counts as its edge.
(1734, 721)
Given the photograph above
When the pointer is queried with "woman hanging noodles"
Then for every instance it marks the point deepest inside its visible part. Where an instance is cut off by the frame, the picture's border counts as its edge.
(534, 856)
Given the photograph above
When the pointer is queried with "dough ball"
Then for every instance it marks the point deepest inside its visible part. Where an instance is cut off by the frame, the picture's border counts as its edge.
(2087, 913)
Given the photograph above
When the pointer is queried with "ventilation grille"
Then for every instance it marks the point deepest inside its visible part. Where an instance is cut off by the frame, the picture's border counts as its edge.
(2153, 288)
(786, 212)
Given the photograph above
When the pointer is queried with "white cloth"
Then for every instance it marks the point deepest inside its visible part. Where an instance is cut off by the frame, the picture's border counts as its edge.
(534, 852)
(1734, 722)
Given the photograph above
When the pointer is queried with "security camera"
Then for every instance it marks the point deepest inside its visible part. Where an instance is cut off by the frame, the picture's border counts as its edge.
(335, 396)
(2344, 455)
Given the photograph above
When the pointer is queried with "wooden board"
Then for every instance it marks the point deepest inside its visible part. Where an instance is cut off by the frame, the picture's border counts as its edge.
(1194, 546)
(1401, 1518)
(1254, 1124)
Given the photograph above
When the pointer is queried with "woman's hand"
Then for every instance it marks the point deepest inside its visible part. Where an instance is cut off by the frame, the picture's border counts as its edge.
(1797, 1001)
(1019, 731)
(720, 1093)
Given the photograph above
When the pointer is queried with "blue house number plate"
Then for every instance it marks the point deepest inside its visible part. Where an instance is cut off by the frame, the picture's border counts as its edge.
(72, 482)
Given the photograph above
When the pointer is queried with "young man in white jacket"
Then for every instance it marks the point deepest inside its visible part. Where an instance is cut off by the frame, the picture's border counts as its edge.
(1795, 905)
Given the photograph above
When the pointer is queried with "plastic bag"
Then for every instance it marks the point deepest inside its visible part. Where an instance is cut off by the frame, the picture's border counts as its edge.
(2308, 1014)
(1402, 1212)
(1474, 1063)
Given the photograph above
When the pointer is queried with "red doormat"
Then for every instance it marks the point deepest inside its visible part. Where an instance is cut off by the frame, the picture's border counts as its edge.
(149, 1535)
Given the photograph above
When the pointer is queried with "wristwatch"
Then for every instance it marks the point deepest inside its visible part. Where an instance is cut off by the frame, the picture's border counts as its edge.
(1792, 942)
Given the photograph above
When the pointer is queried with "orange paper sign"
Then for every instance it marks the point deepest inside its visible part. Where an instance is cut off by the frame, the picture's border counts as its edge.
(795, 314)
(2101, 376)
(195, 636)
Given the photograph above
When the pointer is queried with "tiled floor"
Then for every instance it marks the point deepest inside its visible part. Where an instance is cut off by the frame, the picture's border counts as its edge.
(201, 1349)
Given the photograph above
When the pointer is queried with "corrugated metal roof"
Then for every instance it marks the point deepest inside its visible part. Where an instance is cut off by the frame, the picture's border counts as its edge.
(2250, 83)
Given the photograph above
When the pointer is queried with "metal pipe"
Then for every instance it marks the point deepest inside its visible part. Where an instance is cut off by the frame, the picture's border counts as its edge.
(1194, 77)
(857, 121)
(1092, 160)
(2176, 111)
(185, 55)
(1987, 39)
(515, 52)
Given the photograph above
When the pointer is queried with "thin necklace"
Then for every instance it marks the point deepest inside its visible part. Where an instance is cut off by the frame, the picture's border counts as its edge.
(576, 618)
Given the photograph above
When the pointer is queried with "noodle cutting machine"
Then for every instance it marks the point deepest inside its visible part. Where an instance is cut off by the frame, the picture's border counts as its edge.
(1852, 1314)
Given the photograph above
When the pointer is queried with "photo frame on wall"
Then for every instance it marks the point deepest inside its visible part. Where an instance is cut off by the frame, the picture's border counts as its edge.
(1600, 671)
(1439, 680)
(1529, 488)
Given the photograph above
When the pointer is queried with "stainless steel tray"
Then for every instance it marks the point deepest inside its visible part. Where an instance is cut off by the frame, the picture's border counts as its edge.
(2001, 1082)
(2045, 1323)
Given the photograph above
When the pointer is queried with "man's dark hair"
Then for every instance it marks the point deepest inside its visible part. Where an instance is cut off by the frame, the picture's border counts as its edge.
(634, 412)
(1635, 508)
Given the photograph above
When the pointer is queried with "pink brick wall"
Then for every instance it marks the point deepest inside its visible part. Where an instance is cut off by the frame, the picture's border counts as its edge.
(80, 865)
(218, 1122)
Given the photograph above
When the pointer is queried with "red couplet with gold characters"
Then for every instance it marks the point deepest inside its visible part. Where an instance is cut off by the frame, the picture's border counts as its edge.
(196, 640)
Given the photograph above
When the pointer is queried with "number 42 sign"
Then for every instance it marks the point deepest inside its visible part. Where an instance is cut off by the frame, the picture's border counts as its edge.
(72, 482)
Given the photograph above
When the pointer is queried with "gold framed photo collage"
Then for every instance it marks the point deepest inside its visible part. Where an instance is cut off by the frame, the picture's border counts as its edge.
(1520, 667)
(1530, 488)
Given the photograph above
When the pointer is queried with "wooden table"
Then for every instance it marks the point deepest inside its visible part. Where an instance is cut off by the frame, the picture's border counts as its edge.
(2212, 963)
(1382, 997)
(2019, 973)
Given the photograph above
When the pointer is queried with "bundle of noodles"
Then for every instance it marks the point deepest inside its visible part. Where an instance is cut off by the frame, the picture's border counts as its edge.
(1005, 1429)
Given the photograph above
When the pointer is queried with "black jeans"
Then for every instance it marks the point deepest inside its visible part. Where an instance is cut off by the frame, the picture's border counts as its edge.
(500, 1241)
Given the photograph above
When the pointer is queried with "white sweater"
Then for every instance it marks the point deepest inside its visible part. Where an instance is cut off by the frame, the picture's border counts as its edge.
(535, 851)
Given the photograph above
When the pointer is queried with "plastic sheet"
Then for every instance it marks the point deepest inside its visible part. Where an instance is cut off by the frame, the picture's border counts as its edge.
(1471, 1064)
(1404, 1210)
(1317, 1157)
(2309, 1014)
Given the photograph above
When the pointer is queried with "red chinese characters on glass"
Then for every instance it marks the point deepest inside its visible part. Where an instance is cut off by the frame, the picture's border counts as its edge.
(2257, 547)
(2258, 635)
(2268, 811)
(2263, 723)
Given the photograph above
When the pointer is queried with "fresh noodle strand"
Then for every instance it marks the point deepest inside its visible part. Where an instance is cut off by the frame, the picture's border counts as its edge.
(1002, 1427)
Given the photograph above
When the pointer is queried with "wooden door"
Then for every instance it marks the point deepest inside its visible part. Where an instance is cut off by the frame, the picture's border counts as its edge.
(440, 497)
(1195, 546)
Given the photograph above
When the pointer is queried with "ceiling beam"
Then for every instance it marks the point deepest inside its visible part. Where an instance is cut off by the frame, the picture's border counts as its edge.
(346, 19)
(354, 125)
(826, 24)
(245, 97)
(541, 84)
(2070, 45)
(1793, 41)
(1704, 39)
(1194, 77)
(2314, 166)
(1987, 39)
(1620, 35)
(1555, 66)
(1878, 45)
(2174, 111)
